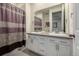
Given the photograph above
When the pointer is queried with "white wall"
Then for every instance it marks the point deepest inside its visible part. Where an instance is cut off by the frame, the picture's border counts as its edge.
(76, 28)
(71, 18)
(39, 6)
(20, 5)
(28, 20)
(28, 17)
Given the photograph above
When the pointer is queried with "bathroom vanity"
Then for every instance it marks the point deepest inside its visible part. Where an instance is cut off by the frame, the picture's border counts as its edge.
(50, 45)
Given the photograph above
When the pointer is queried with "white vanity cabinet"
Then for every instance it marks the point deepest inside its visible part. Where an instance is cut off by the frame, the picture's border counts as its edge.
(64, 50)
(50, 46)
(42, 45)
(29, 43)
(65, 47)
(59, 46)
(32, 43)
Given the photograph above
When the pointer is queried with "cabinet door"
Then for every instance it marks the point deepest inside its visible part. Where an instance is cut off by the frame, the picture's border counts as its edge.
(64, 50)
(42, 45)
(52, 48)
(35, 43)
(29, 43)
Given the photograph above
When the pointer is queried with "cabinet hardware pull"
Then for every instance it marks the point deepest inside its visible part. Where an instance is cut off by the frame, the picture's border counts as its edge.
(57, 47)
(52, 40)
(72, 35)
(41, 43)
(63, 42)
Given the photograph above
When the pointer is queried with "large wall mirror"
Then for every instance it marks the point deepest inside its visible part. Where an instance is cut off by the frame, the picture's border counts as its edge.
(50, 19)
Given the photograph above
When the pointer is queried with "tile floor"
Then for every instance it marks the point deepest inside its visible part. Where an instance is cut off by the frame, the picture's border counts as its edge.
(16, 53)
(21, 52)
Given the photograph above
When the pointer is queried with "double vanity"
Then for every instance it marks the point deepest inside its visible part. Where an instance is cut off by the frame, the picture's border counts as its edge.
(50, 45)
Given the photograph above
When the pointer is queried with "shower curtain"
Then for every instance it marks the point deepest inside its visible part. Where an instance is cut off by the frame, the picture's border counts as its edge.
(12, 27)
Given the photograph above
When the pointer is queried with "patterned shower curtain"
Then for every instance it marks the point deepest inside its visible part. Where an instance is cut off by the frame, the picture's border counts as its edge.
(12, 27)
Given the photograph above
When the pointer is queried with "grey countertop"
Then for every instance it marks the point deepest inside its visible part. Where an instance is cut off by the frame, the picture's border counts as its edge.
(52, 35)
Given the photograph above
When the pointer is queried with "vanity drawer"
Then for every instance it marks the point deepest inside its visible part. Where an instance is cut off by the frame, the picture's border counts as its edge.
(52, 40)
(65, 41)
